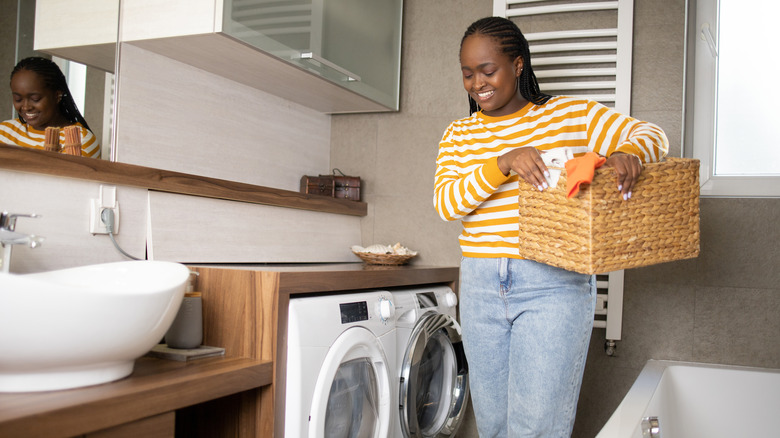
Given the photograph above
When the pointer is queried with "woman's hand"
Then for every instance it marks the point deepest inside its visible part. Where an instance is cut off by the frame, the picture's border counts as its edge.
(527, 163)
(628, 168)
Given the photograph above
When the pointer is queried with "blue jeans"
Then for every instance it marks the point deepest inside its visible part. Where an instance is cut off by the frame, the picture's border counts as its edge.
(526, 330)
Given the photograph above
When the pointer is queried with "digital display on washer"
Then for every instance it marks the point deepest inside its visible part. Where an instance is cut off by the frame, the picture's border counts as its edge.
(354, 312)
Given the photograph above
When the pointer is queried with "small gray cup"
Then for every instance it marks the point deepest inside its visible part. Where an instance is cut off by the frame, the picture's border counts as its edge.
(186, 332)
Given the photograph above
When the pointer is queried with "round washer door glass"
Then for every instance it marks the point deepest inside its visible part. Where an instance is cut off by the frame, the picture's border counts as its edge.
(352, 395)
(434, 378)
(352, 408)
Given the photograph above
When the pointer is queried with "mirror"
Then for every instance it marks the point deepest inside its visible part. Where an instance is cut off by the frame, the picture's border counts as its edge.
(80, 36)
(150, 175)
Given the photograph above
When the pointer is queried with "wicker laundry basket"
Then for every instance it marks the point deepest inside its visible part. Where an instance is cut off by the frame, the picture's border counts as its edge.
(596, 231)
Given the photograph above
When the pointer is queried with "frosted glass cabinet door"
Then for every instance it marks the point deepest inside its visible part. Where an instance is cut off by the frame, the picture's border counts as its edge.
(355, 44)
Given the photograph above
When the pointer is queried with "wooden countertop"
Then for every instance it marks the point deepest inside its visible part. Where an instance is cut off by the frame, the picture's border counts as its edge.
(155, 386)
(330, 277)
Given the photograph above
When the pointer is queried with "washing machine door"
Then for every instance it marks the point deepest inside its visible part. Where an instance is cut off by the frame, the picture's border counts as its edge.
(352, 397)
(434, 378)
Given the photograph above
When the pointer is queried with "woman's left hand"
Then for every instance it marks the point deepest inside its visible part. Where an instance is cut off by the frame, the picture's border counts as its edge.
(628, 168)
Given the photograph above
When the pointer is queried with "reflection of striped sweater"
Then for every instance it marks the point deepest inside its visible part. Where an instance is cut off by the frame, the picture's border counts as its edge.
(470, 186)
(22, 134)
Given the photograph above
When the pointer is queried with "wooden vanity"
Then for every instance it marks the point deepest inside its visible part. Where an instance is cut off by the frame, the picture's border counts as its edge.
(245, 311)
(239, 395)
(140, 405)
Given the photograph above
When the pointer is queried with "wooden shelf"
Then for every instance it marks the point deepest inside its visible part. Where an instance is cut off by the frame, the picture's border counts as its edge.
(56, 164)
(156, 386)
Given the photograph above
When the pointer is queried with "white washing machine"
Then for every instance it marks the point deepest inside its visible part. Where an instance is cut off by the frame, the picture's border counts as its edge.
(341, 356)
(432, 368)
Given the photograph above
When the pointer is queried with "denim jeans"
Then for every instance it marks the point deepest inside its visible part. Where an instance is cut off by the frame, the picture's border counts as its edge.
(526, 330)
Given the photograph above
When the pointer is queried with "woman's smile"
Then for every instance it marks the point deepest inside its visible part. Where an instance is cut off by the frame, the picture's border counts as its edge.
(31, 118)
(484, 95)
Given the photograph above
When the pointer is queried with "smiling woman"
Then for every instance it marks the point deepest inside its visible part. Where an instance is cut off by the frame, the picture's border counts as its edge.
(42, 100)
(525, 369)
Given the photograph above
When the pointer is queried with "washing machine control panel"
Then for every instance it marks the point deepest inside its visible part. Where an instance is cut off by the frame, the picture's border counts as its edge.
(354, 312)
(381, 308)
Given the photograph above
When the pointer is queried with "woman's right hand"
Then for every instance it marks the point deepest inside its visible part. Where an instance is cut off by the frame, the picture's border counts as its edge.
(527, 163)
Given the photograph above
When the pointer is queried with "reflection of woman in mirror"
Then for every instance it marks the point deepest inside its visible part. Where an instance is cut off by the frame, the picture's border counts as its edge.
(42, 100)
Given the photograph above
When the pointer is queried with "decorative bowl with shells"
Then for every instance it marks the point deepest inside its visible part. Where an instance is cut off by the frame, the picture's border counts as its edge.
(384, 254)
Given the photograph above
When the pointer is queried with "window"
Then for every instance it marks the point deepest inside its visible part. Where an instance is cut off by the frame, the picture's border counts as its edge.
(731, 97)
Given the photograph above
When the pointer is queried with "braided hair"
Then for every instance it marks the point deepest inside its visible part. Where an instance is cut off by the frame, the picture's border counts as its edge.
(513, 44)
(54, 79)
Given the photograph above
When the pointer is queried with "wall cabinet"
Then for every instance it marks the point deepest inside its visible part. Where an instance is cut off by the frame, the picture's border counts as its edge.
(335, 56)
(84, 31)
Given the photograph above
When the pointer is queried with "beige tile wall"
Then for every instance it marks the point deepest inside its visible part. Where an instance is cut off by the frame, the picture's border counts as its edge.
(722, 307)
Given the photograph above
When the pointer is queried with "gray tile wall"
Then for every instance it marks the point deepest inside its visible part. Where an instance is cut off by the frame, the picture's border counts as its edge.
(723, 307)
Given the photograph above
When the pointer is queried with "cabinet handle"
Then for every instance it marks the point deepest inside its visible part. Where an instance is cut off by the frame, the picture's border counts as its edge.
(350, 76)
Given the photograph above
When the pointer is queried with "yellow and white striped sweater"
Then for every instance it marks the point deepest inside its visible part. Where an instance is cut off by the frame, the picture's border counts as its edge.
(21, 134)
(469, 185)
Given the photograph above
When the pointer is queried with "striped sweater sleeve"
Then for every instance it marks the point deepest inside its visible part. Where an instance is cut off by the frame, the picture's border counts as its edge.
(458, 190)
(610, 132)
(90, 146)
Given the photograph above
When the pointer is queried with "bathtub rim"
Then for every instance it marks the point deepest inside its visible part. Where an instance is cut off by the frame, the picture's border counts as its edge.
(628, 415)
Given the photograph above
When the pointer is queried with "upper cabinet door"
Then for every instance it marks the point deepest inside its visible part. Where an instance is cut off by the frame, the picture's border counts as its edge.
(334, 56)
(355, 44)
(84, 31)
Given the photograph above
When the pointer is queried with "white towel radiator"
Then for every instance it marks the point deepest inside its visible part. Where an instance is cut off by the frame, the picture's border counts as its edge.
(584, 50)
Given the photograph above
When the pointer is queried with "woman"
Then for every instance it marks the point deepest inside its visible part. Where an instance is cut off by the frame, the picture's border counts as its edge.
(526, 325)
(42, 99)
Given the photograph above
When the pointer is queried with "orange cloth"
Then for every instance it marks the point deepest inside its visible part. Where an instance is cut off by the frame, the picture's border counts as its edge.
(580, 170)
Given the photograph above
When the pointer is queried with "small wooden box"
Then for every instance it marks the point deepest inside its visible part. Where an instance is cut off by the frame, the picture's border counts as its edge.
(318, 185)
(596, 231)
(347, 187)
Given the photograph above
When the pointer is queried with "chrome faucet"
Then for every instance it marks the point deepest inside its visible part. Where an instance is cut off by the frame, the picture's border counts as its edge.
(9, 237)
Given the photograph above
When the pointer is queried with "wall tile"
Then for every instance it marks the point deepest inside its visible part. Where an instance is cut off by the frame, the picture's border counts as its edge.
(737, 326)
(658, 323)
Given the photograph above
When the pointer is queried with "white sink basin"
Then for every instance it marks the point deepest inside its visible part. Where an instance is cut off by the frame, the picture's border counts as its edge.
(84, 326)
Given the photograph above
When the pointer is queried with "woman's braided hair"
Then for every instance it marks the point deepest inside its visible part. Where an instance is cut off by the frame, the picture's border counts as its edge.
(54, 80)
(513, 44)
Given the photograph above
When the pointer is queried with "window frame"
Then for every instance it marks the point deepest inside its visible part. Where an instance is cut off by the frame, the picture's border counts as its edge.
(700, 110)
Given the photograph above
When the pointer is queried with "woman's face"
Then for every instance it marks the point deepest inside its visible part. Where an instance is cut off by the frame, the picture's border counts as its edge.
(490, 77)
(37, 104)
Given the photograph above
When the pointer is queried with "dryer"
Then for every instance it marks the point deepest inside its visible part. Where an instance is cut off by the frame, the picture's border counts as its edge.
(432, 368)
(341, 356)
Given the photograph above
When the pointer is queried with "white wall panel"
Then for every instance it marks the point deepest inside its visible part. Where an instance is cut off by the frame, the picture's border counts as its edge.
(176, 117)
(190, 229)
(64, 223)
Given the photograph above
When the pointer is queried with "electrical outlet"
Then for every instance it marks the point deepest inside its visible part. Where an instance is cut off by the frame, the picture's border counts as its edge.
(96, 225)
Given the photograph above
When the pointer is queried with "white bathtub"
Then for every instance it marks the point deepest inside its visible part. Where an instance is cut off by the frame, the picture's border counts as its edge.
(692, 400)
